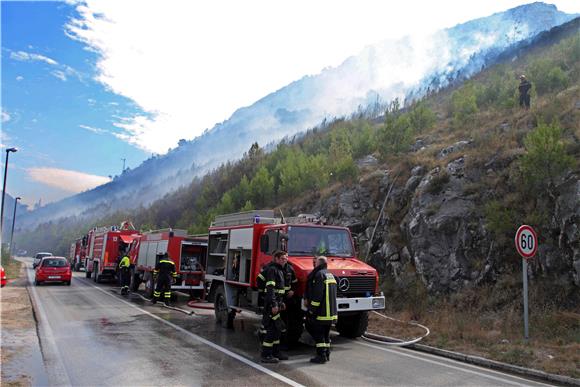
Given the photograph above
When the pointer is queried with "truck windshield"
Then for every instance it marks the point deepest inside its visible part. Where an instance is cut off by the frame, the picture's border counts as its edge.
(319, 241)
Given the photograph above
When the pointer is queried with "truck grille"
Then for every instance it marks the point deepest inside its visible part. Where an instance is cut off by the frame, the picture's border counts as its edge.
(355, 286)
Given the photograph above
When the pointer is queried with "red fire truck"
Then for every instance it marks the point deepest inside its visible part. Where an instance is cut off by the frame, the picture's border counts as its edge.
(78, 251)
(105, 246)
(250, 239)
(186, 251)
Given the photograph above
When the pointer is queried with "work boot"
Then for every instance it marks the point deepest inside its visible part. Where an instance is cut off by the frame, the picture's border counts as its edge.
(279, 355)
(269, 359)
(319, 359)
(154, 301)
(327, 354)
(320, 356)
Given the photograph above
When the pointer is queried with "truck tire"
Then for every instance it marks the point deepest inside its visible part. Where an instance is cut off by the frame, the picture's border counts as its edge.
(149, 286)
(135, 281)
(354, 325)
(223, 315)
(97, 277)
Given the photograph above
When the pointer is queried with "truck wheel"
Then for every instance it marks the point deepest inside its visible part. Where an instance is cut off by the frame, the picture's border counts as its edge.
(135, 281)
(223, 315)
(149, 287)
(354, 325)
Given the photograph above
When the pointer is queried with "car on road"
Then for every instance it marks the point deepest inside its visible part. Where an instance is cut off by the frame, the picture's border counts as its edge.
(53, 269)
(38, 257)
(2, 276)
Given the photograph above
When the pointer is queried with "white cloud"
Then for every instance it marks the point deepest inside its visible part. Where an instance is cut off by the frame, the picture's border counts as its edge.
(28, 57)
(67, 180)
(19, 78)
(59, 74)
(204, 60)
(94, 130)
(5, 116)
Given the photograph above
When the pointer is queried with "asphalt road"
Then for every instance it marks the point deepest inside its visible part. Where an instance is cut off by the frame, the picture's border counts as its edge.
(90, 335)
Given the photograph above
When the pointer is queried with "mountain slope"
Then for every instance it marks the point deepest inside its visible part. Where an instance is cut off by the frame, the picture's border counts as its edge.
(409, 67)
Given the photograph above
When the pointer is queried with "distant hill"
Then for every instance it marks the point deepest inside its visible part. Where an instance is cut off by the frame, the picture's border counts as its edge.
(406, 69)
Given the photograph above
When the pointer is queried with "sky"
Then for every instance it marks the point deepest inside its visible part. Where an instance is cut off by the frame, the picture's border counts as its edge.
(90, 86)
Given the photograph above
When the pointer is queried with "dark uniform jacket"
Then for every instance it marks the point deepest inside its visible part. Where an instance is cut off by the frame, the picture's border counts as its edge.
(524, 87)
(165, 267)
(321, 295)
(290, 280)
(274, 285)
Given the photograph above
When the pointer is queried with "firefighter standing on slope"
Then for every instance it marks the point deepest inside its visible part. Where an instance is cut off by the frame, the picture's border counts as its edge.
(125, 273)
(273, 305)
(165, 272)
(320, 297)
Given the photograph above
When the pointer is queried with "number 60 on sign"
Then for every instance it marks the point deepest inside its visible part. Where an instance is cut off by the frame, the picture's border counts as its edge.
(526, 242)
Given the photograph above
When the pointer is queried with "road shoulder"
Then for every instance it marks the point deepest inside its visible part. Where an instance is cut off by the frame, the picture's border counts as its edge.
(22, 363)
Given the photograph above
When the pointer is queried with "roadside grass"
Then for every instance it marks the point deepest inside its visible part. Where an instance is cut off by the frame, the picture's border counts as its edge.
(488, 322)
(11, 266)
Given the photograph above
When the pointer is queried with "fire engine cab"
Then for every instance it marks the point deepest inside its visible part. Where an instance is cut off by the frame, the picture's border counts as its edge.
(240, 244)
(187, 252)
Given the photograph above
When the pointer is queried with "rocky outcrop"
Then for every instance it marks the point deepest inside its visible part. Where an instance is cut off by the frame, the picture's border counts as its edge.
(435, 227)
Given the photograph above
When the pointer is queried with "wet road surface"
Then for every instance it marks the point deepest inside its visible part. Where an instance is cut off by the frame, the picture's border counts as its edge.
(91, 335)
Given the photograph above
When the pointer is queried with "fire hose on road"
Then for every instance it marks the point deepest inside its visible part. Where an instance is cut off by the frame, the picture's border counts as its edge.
(384, 340)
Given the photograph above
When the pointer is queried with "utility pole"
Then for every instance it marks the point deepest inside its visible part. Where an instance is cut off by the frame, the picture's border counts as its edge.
(123, 166)
(11, 245)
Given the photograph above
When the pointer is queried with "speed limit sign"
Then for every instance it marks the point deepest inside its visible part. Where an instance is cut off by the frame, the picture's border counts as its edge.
(526, 242)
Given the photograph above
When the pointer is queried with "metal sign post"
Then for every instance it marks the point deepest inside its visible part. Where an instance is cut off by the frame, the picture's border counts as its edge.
(527, 246)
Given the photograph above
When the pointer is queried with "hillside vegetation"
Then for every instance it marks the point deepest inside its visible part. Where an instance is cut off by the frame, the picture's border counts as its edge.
(468, 166)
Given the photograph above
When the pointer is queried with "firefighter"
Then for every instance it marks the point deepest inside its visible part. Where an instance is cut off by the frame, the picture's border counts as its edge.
(291, 302)
(125, 273)
(524, 89)
(322, 311)
(165, 272)
(273, 304)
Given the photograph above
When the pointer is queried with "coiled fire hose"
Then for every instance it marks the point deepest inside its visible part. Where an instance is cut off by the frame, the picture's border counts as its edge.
(384, 340)
(200, 304)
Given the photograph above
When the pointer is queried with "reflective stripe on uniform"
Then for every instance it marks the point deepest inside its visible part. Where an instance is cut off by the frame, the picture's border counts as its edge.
(273, 283)
(276, 342)
(314, 303)
(166, 261)
(276, 317)
(325, 318)
(156, 294)
(280, 291)
(266, 344)
(261, 277)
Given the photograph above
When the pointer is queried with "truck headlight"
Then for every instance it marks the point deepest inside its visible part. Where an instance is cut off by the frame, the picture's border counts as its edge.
(378, 303)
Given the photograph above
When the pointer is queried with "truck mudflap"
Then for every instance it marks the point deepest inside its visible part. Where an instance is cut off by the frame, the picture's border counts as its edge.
(360, 304)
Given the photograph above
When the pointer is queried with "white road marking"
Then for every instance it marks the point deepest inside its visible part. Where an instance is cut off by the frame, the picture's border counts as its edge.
(444, 364)
(209, 343)
(57, 370)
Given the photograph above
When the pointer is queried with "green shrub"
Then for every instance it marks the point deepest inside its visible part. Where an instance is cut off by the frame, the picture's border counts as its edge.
(463, 105)
(395, 135)
(546, 159)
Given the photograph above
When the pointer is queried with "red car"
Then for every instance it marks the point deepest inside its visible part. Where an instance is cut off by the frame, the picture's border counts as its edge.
(53, 269)
(2, 276)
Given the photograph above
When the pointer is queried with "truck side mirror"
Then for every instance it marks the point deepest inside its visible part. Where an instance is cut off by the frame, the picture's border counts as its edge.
(264, 243)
